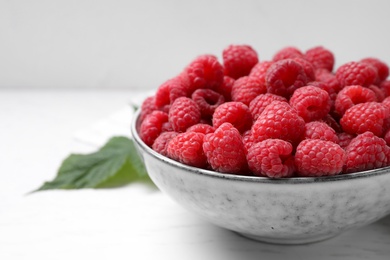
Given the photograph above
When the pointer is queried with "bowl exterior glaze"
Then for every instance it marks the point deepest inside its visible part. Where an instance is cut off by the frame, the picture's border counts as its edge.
(285, 211)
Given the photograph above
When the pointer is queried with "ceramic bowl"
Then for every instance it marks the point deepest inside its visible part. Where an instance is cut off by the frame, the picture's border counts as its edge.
(283, 211)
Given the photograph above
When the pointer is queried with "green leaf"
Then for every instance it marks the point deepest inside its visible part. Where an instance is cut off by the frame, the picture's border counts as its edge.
(117, 163)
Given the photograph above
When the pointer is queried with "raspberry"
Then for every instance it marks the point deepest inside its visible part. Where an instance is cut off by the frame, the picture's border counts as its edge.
(236, 113)
(387, 138)
(166, 127)
(161, 142)
(187, 148)
(328, 88)
(259, 70)
(386, 102)
(364, 117)
(366, 152)
(204, 72)
(201, 128)
(279, 121)
(381, 68)
(271, 158)
(184, 113)
(328, 78)
(207, 101)
(147, 107)
(226, 88)
(315, 158)
(320, 57)
(247, 139)
(245, 89)
(345, 139)
(284, 77)
(320, 130)
(170, 90)
(238, 60)
(225, 150)
(385, 86)
(356, 73)
(379, 93)
(151, 127)
(257, 105)
(287, 53)
(352, 95)
(307, 67)
(311, 103)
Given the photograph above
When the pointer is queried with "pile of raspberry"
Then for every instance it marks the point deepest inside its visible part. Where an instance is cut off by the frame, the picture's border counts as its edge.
(291, 116)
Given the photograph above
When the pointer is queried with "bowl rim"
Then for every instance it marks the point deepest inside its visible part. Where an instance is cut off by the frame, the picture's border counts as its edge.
(245, 178)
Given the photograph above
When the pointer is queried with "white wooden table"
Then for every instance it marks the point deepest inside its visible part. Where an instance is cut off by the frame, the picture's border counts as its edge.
(38, 129)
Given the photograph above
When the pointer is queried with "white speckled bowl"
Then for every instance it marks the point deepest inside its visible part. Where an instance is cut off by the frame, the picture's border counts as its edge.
(283, 211)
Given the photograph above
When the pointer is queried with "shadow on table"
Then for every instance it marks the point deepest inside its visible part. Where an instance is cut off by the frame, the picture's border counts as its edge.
(370, 242)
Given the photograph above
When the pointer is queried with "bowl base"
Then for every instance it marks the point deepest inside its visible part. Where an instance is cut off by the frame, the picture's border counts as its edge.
(288, 241)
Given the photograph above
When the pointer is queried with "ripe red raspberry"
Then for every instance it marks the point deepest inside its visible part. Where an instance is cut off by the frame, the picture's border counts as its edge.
(161, 142)
(364, 117)
(314, 158)
(225, 150)
(259, 70)
(167, 127)
(271, 158)
(320, 57)
(345, 139)
(284, 77)
(279, 121)
(245, 89)
(356, 73)
(328, 78)
(187, 148)
(386, 137)
(225, 89)
(184, 113)
(328, 88)
(353, 95)
(289, 52)
(386, 102)
(236, 113)
(366, 152)
(385, 86)
(257, 105)
(307, 67)
(248, 139)
(147, 107)
(170, 90)
(381, 68)
(311, 103)
(204, 72)
(320, 130)
(207, 101)
(238, 60)
(151, 127)
(379, 93)
(201, 128)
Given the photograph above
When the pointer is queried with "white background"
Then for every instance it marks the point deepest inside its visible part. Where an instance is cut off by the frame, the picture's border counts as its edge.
(139, 44)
